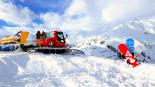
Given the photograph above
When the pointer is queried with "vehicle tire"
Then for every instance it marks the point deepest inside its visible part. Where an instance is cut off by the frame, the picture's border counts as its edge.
(46, 51)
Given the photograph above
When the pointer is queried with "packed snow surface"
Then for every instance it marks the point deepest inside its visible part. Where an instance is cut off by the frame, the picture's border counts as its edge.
(99, 67)
(38, 70)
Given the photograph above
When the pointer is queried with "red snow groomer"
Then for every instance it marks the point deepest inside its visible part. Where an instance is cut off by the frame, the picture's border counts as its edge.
(50, 42)
(51, 39)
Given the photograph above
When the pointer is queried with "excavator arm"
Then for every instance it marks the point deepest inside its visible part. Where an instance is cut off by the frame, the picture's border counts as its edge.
(20, 38)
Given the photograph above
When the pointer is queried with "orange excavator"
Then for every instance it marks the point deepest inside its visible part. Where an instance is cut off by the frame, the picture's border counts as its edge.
(11, 43)
(20, 37)
(46, 42)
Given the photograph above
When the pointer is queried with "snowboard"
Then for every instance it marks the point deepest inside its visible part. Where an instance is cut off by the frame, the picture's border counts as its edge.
(130, 44)
(127, 54)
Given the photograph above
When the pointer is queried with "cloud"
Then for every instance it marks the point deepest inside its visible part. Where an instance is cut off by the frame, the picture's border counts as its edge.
(105, 14)
(77, 18)
(12, 14)
(123, 10)
(86, 16)
(77, 7)
(81, 18)
(51, 19)
(66, 23)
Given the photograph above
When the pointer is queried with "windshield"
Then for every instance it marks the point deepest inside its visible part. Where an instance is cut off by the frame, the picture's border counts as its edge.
(60, 37)
(50, 35)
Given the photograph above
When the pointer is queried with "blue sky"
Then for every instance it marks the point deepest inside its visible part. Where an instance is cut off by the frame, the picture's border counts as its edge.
(41, 6)
(3, 23)
(38, 7)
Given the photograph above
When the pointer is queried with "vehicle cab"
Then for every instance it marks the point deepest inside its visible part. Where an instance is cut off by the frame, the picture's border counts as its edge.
(55, 39)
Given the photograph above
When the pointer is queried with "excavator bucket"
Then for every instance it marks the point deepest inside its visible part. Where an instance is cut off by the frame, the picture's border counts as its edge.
(7, 40)
(23, 37)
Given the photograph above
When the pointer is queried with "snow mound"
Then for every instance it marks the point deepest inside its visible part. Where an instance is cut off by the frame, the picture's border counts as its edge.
(38, 70)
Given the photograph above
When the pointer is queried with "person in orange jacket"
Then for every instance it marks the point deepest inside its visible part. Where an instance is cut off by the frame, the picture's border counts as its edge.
(38, 38)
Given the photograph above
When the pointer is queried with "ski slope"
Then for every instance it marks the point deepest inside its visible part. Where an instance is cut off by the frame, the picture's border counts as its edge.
(38, 70)
(99, 67)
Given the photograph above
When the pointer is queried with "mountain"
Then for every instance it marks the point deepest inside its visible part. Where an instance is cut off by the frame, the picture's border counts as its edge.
(141, 30)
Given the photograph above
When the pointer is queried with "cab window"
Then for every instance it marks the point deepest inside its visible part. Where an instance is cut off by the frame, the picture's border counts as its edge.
(50, 35)
(60, 37)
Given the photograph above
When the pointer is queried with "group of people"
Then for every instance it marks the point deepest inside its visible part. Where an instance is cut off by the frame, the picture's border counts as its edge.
(40, 35)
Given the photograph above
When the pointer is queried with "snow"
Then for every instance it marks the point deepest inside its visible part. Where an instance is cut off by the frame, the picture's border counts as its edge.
(142, 30)
(99, 67)
(38, 70)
